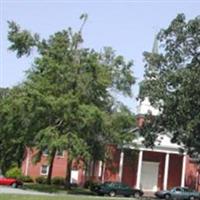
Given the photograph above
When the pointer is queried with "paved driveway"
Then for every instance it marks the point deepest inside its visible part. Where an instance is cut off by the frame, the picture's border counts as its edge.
(10, 190)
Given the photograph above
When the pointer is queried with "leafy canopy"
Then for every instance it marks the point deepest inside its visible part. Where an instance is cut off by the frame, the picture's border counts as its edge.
(67, 94)
(172, 83)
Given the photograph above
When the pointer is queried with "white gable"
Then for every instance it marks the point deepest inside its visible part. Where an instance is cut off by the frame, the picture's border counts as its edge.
(162, 144)
(145, 107)
(165, 141)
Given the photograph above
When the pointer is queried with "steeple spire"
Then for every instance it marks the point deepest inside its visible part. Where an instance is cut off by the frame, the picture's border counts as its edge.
(154, 51)
(155, 45)
(145, 106)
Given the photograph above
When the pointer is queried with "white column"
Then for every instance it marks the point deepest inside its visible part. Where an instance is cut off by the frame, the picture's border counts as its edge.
(100, 169)
(166, 170)
(139, 169)
(121, 162)
(27, 163)
(183, 171)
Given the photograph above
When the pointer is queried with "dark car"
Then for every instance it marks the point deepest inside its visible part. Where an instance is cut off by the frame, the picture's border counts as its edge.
(116, 188)
(178, 193)
(10, 182)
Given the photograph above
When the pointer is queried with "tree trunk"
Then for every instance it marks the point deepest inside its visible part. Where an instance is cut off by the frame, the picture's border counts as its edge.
(68, 174)
(93, 170)
(53, 153)
(87, 170)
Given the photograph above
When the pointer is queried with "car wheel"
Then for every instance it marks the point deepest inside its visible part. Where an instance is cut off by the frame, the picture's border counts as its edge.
(191, 198)
(112, 193)
(137, 194)
(167, 196)
(14, 185)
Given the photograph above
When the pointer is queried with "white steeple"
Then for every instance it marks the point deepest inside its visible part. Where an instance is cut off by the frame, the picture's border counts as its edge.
(145, 106)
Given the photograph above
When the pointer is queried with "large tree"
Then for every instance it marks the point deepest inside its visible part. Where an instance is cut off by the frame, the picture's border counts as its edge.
(13, 127)
(172, 83)
(69, 93)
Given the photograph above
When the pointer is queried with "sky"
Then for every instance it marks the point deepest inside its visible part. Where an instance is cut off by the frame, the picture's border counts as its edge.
(129, 27)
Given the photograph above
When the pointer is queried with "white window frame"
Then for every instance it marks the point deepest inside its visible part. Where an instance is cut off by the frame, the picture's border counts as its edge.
(45, 153)
(47, 170)
(60, 156)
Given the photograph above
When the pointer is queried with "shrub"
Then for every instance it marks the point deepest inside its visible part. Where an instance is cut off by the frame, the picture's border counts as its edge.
(74, 185)
(41, 179)
(58, 180)
(89, 184)
(26, 179)
(14, 172)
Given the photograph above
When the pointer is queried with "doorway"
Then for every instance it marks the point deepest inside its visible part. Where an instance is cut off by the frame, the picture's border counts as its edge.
(149, 176)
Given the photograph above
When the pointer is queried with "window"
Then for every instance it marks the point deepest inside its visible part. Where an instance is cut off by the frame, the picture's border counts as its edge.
(44, 170)
(60, 153)
(45, 152)
(178, 190)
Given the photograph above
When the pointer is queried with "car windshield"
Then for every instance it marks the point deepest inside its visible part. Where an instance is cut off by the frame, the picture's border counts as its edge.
(115, 184)
(177, 189)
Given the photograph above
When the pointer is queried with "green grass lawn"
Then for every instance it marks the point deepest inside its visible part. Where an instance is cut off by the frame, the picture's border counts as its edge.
(59, 193)
(56, 197)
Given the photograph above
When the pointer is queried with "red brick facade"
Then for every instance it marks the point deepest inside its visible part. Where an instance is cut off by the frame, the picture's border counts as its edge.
(34, 170)
(129, 172)
(110, 171)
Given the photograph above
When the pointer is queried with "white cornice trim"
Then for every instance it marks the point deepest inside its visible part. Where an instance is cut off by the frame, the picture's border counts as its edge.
(155, 149)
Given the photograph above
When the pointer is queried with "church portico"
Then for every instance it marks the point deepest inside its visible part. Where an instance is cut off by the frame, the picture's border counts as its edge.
(152, 170)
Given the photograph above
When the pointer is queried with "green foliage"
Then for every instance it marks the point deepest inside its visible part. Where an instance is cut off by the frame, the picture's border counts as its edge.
(121, 122)
(66, 100)
(4, 92)
(90, 184)
(14, 172)
(41, 179)
(14, 130)
(45, 188)
(58, 181)
(172, 83)
(26, 179)
(19, 37)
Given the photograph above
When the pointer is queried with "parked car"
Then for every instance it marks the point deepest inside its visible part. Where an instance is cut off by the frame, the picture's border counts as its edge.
(178, 193)
(10, 182)
(116, 188)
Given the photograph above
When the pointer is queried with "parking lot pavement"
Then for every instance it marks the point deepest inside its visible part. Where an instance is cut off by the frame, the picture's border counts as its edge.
(10, 190)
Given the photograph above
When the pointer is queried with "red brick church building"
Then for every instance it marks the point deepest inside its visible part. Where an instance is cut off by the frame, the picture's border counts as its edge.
(162, 167)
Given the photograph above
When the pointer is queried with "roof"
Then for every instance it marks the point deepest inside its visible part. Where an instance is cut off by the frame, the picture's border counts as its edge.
(162, 144)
